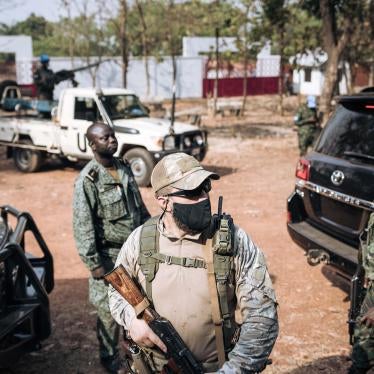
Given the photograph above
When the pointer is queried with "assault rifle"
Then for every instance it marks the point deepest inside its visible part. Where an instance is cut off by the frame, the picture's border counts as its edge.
(181, 359)
(63, 75)
(357, 294)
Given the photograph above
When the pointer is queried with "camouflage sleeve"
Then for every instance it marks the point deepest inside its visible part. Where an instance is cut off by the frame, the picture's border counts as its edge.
(368, 250)
(258, 307)
(122, 312)
(83, 223)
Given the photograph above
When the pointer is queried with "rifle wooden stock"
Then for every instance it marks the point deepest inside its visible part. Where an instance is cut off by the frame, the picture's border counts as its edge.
(125, 286)
(176, 348)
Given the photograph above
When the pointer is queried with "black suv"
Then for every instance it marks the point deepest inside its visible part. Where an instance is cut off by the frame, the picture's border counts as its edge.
(334, 192)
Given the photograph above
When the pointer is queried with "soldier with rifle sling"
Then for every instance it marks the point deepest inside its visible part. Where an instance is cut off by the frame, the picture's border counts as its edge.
(195, 270)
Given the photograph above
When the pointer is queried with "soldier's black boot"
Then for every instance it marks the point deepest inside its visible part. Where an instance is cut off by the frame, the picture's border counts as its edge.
(112, 364)
(354, 370)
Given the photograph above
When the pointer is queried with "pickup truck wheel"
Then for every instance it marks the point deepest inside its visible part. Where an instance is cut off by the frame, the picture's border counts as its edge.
(141, 165)
(27, 160)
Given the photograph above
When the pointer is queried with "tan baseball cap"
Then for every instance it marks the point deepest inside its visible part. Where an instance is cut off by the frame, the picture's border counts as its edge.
(178, 170)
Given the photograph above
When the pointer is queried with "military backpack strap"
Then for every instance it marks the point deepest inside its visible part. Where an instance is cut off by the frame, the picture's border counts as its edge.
(223, 248)
(149, 245)
(215, 304)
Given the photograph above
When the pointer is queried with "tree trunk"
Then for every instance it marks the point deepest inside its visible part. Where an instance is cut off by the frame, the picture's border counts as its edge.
(334, 48)
(245, 79)
(331, 75)
(124, 41)
(371, 74)
(174, 94)
(245, 84)
(145, 46)
(215, 89)
(281, 75)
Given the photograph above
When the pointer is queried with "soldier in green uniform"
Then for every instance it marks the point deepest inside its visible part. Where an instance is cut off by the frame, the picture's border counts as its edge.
(107, 207)
(363, 348)
(306, 120)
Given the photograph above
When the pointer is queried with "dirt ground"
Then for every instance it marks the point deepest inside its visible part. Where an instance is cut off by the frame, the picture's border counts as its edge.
(256, 162)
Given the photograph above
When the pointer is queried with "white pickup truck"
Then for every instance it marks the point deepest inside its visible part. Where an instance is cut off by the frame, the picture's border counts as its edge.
(141, 140)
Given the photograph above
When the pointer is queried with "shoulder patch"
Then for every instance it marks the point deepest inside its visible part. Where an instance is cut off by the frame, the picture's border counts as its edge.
(92, 175)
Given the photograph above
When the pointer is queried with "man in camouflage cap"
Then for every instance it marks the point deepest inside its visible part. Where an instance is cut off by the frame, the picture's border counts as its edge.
(363, 347)
(171, 256)
(107, 207)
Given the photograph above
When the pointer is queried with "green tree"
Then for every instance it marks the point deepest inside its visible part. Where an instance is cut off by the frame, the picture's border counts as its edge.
(341, 20)
(291, 30)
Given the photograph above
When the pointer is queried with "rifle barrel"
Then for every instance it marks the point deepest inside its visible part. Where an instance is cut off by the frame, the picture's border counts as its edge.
(85, 67)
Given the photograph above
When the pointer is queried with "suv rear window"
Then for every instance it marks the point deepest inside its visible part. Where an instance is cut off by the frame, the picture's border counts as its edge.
(350, 133)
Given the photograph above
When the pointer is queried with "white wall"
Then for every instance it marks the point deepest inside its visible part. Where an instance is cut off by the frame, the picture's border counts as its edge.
(21, 46)
(189, 76)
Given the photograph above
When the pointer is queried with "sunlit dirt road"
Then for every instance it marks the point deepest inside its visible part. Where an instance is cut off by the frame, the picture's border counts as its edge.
(257, 169)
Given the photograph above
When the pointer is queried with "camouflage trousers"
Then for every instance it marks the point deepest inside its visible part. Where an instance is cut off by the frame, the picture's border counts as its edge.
(107, 330)
(363, 347)
(306, 135)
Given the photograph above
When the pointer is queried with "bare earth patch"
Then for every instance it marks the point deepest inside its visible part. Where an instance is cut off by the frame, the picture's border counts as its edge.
(256, 161)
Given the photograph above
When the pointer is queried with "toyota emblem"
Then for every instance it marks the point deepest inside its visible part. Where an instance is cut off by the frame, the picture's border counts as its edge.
(337, 177)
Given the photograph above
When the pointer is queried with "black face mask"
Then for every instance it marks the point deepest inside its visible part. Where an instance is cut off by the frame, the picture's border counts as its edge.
(193, 218)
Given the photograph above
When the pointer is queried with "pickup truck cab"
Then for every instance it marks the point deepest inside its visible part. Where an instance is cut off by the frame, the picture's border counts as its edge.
(141, 140)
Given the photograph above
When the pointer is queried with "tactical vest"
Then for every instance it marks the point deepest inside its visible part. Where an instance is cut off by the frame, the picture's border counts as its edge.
(150, 257)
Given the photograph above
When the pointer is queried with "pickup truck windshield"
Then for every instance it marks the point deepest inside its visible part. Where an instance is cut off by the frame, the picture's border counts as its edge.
(124, 106)
(349, 133)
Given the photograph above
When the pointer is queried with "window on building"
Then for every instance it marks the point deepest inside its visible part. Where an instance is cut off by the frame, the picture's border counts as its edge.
(308, 75)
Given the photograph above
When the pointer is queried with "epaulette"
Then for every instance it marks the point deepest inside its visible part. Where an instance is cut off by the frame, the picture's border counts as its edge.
(92, 175)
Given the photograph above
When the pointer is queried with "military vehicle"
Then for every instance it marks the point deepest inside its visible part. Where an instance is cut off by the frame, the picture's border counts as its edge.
(25, 282)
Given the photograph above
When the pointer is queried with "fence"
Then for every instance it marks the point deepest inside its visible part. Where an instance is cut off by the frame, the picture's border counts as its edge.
(234, 86)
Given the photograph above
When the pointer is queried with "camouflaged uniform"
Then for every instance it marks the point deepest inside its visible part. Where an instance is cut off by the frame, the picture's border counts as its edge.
(307, 127)
(181, 294)
(363, 348)
(105, 212)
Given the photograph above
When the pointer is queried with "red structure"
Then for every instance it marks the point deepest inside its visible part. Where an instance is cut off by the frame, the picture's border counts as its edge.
(234, 86)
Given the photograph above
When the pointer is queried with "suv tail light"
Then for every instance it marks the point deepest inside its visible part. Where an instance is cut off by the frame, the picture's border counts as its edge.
(303, 169)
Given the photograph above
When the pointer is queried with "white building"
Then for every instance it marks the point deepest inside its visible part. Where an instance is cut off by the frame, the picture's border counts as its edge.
(308, 76)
